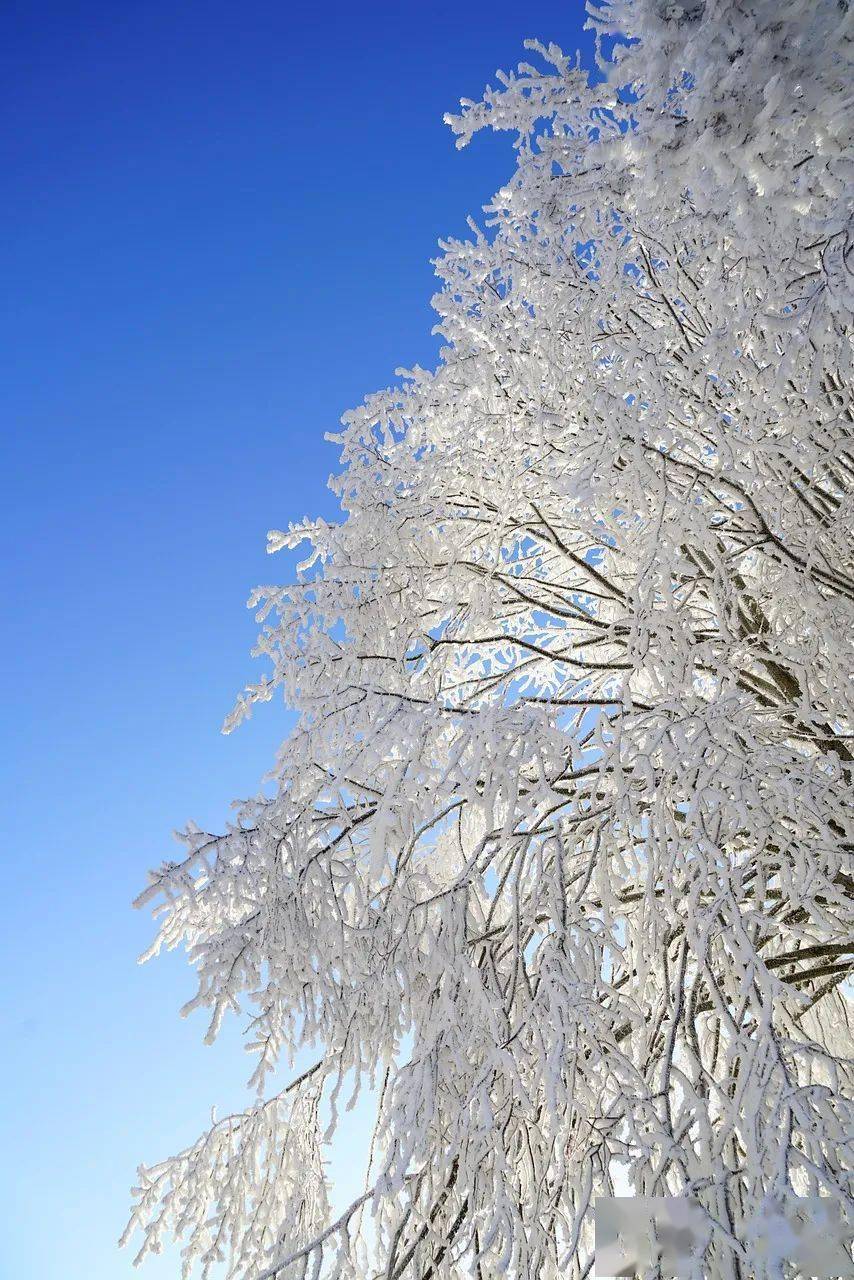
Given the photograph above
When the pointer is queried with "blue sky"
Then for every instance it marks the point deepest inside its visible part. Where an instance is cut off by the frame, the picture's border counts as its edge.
(217, 221)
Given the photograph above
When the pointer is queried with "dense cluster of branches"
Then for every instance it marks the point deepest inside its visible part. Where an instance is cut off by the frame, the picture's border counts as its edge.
(559, 857)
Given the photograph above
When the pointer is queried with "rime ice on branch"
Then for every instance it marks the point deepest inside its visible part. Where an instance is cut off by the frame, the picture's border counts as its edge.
(559, 855)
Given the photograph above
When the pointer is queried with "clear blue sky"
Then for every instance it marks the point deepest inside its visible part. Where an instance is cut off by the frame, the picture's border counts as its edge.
(217, 221)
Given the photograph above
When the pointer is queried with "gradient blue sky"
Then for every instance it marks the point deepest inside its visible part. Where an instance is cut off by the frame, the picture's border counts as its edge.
(217, 221)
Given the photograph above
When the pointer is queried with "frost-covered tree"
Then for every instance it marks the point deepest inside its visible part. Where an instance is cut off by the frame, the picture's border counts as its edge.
(558, 859)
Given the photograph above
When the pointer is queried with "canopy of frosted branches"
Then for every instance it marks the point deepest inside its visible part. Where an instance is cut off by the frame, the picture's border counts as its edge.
(558, 857)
